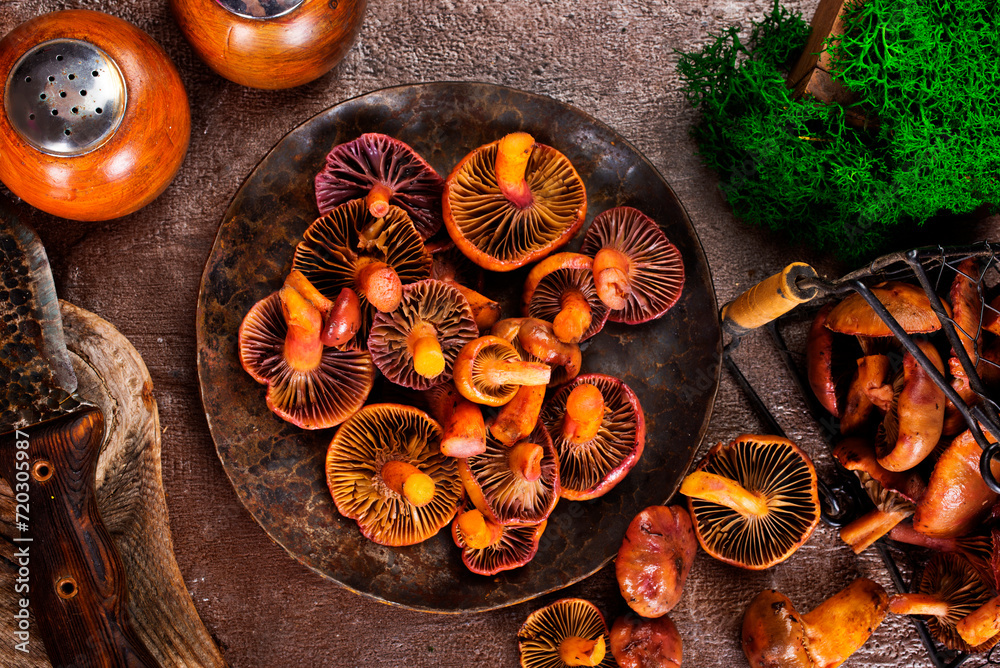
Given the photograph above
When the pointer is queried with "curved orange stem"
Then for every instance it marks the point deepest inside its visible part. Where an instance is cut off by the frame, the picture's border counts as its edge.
(611, 271)
(584, 414)
(573, 321)
(303, 349)
(513, 152)
(725, 492)
(525, 460)
(409, 481)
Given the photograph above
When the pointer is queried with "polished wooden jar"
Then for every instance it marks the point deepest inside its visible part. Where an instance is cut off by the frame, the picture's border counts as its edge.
(276, 49)
(131, 167)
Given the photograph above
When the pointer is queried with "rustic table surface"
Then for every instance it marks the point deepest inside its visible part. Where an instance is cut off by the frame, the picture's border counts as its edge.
(614, 60)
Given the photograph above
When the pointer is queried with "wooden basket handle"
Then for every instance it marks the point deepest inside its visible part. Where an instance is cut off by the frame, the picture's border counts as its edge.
(768, 300)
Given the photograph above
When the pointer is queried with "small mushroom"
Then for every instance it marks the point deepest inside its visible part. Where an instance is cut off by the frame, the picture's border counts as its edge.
(775, 634)
(655, 558)
(957, 498)
(308, 384)
(599, 431)
(450, 266)
(949, 590)
(868, 391)
(341, 316)
(819, 362)
(382, 170)
(638, 273)
(489, 548)
(645, 643)
(981, 548)
(416, 345)
(384, 469)
(569, 632)
(375, 257)
(954, 421)
(561, 289)
(912, 427)
(539, 342)
(489, 371)
(907, 303)
(893, 493)
(982, 625)
(754, 502)
(518, 485)
(512, 202)
(464, 431)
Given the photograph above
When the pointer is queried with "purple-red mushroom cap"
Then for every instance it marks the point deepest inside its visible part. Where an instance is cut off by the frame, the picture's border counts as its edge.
(637, 271)
(591, 468)
(505, 548)
(416, 345)
(382, 171)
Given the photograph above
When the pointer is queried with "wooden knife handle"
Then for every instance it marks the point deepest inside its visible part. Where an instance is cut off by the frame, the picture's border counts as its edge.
(77, 583)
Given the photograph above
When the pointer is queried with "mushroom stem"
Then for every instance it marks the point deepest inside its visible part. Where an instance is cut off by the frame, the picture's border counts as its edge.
(921, 414)
(611, 270)
(868, 528)
(725, 492)
(343, 320)
(577, 651)
(512, 372)
(918, 604)
(303, 349)
(380, 285)
(841, 624)
(518, 417)
(584, 414)
(905, 533)
(477, 531)
(409, 481)
(525, 460)
(378, 200)
(513, 152)
(464, 432)
(298, 281)
(538, 340)
(485, 311)
(424, 347)
(573, 321)
(982, 624)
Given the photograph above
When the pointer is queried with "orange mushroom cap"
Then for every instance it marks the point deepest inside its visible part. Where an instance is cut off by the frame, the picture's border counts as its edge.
(348, 245)
(560, 289)
(907, 303)
(501, 235)
(356, 463)
(778, 478)
(544, 633)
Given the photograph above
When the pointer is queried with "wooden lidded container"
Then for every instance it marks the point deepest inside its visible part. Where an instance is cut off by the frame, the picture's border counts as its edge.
(95, 121)
(270, 44)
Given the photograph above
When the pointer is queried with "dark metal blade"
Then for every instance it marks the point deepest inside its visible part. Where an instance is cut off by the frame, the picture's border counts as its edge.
(36, 378)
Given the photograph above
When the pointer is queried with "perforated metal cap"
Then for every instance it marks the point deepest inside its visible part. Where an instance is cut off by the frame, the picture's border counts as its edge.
(260, 9)
(65, 97)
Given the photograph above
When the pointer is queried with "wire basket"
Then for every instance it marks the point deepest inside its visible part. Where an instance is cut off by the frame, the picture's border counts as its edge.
(771, 305)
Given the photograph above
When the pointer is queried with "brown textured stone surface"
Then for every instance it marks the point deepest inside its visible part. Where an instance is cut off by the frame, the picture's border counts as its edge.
(613, 60)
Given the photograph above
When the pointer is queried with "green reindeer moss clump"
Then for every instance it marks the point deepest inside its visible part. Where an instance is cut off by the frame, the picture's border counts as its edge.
(924, 72)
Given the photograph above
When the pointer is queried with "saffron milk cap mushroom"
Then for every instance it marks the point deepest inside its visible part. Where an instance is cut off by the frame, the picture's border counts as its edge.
(754, 501)
(513, 201)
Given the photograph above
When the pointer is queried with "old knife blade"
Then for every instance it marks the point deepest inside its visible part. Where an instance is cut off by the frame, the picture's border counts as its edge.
(50, 440)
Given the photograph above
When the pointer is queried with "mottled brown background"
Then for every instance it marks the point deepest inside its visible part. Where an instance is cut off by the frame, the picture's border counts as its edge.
(613, 59)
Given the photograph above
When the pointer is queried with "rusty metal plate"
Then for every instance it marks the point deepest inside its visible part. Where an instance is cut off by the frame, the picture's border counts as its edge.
(278, 470)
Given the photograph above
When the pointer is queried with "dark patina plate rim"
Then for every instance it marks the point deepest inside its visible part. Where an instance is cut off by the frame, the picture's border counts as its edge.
(699, 261)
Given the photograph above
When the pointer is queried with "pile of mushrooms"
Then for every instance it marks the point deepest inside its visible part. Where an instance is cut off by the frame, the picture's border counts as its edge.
(387, 287)
(911, 448)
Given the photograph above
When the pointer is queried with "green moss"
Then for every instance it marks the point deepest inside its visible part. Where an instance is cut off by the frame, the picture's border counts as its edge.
(926, 70)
